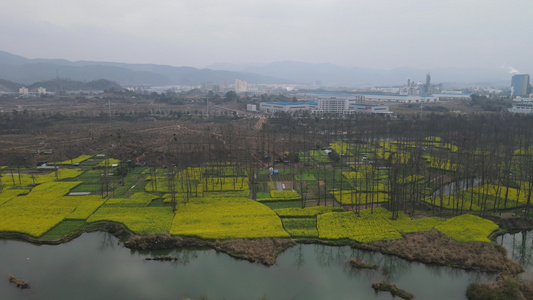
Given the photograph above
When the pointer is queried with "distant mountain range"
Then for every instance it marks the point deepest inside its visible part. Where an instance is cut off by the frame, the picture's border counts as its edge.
(26, 71)
(57, 85)
(334, 75)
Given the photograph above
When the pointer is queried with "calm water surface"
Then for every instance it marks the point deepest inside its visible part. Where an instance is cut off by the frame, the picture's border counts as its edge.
(519, 247)
(96, 266)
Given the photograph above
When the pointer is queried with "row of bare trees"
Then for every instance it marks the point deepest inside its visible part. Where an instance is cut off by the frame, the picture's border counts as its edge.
(472, 150)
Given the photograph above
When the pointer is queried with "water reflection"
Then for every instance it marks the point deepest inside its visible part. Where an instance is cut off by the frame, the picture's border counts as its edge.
(519, 247)
(298, 255)
(96, 266)
(179, 257)
(107, 242)
(390, 268)
(324, 255)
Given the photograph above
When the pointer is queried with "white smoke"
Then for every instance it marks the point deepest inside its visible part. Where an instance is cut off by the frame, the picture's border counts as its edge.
(512, 70)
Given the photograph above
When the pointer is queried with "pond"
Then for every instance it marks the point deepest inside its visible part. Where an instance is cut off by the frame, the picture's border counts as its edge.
(519, 247)
(97, 266)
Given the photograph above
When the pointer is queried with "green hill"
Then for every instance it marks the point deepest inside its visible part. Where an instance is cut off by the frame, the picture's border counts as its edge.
(9, 86)
(59, 84)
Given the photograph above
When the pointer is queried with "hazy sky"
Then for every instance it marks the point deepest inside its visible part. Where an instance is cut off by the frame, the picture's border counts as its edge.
(372, 33)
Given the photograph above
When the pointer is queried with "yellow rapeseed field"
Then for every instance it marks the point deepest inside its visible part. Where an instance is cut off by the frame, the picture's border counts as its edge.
(224, 218)
(40, 210)
(137, 199)
(141, 220)
(347, 197)
(467, 228)
(369, 227)
(78, 160)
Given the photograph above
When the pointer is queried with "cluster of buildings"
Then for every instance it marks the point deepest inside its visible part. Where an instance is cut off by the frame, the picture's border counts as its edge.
(242, 87)
(333, 105)
(520, 91)
(25, 92)
(416, 92)
(412, 93)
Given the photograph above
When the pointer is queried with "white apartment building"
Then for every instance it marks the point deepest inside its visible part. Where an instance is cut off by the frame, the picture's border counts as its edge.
(241, 86)
(333, 105)
(24, 91)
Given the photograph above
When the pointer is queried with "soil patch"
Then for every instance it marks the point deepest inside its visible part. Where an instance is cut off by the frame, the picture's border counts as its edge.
(384, 286)
(22, 284)
(504, 288)
(264, 251)
(359, 264)
(433, 247)
(163, 258)
(288, 185)
(511, 223)
(162, 241)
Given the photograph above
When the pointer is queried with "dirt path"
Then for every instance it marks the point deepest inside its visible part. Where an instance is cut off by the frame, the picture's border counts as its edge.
(259, 124)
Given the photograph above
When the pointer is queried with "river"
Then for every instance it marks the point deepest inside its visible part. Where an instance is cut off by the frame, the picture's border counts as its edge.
(97, 266)
(458, 186)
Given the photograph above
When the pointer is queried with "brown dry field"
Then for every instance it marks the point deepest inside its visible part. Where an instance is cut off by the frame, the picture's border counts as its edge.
(460, 107)
(83, 132)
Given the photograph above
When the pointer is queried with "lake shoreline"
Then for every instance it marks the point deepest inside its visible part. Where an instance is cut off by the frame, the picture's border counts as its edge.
(429, 247)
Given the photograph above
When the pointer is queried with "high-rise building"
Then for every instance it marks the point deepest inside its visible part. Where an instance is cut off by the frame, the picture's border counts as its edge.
(240, 86)
(427, 86)
(520, 86)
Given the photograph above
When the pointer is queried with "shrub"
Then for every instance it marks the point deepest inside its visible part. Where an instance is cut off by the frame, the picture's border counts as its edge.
(467, 228)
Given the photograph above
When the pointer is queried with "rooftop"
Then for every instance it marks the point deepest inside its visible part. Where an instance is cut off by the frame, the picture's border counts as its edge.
(363, 104)
(292, 103)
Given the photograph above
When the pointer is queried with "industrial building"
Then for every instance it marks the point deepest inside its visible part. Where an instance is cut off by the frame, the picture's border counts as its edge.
(288, 107)
(452, 95)
(369, 108)
(522, 106)
(337, 106)
(520, 86)
(401, 98)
